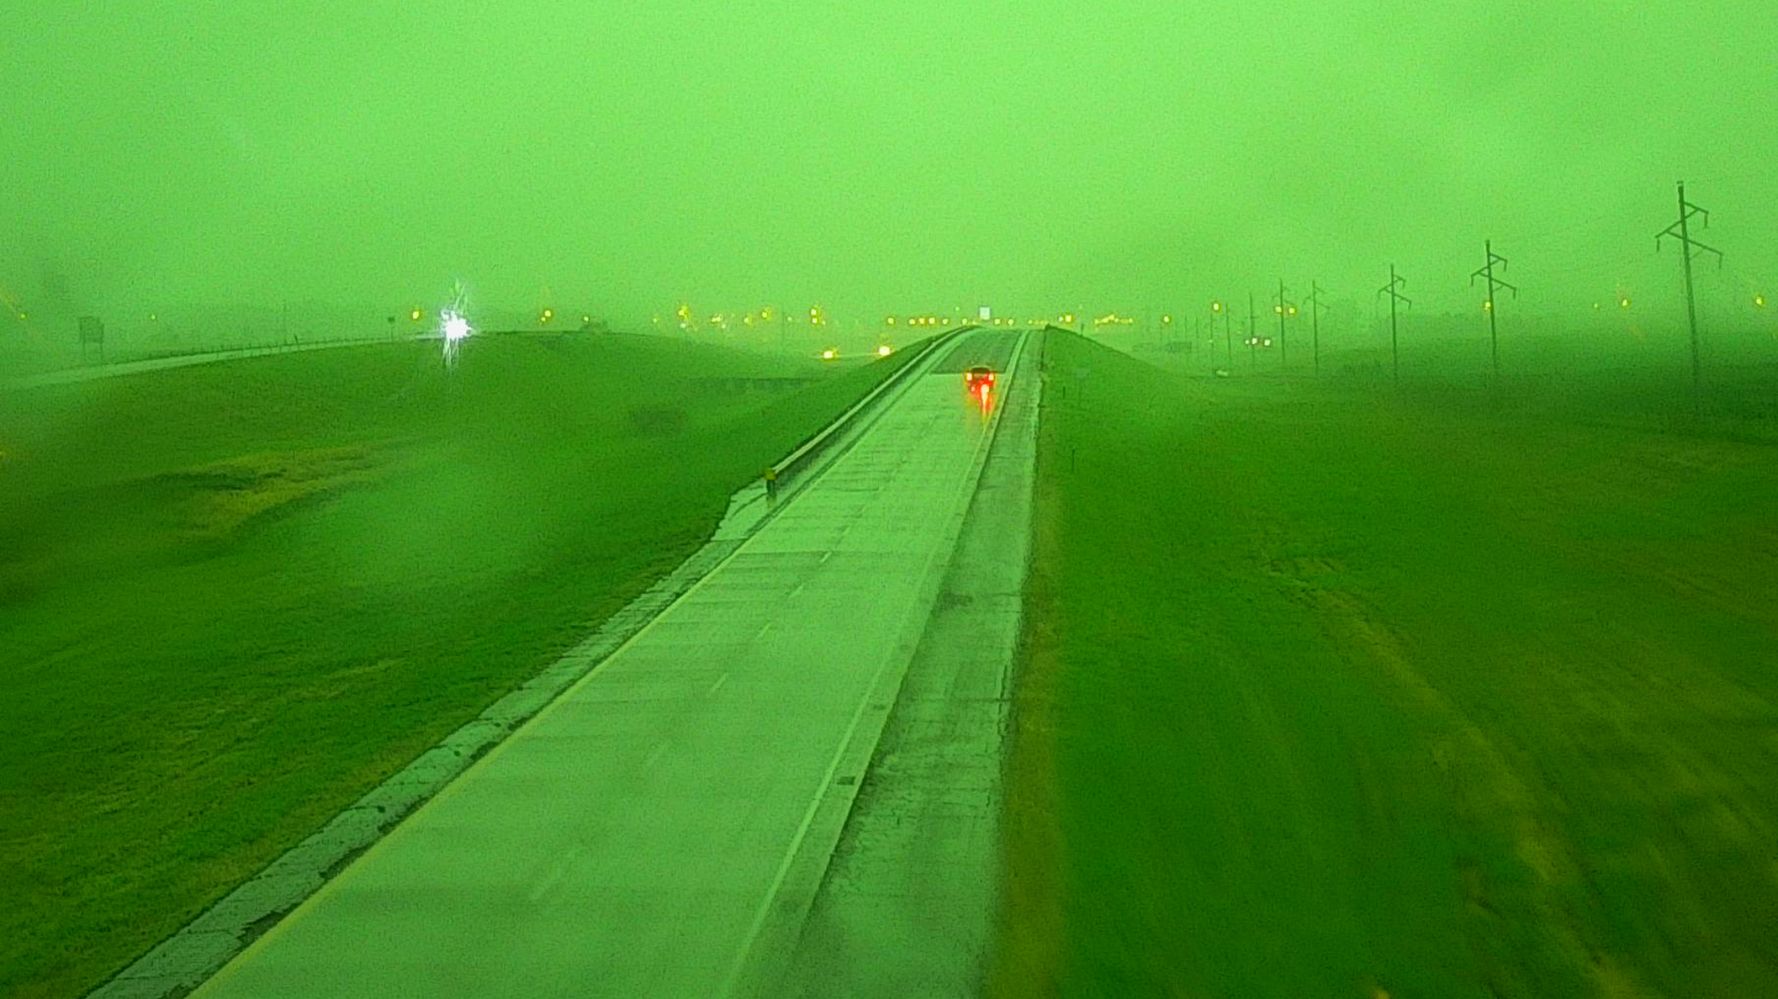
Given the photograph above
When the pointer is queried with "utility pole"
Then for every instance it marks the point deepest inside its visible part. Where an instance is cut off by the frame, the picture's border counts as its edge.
(1283, 308)
(1315, 308)
(1494, 284)
(1228, 336)
(1252, 333)
(1393, 290)
(1690, 248)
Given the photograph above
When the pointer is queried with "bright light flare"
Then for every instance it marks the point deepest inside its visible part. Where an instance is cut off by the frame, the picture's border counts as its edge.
(453, 328)
(885, 350)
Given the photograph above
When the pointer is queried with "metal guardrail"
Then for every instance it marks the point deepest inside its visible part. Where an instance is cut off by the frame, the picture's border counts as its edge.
(782, 478)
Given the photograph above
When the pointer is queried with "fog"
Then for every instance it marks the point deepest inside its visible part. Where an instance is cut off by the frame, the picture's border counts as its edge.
(620, 159)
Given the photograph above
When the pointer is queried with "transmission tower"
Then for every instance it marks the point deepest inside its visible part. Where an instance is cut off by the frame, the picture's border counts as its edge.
(1315, 308)
(1681, 231)
(1494, 284)
(1393, 290)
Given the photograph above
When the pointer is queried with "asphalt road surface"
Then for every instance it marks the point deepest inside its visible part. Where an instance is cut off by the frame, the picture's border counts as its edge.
(663, 828)
(94, 372)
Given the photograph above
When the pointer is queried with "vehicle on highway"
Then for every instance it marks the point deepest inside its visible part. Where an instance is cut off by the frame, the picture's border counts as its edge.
(979, 382)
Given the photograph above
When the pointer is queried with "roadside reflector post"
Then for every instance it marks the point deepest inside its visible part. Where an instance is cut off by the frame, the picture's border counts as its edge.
(771, 478)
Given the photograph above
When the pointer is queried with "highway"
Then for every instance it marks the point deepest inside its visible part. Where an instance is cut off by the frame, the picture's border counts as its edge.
(94, 372)
(664, 827)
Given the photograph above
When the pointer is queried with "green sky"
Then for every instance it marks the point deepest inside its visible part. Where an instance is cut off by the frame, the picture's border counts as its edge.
(875, 156)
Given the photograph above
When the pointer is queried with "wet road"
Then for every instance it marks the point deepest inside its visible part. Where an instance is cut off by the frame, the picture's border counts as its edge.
(663, 827)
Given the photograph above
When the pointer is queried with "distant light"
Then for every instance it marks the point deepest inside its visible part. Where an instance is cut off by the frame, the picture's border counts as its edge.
(1215, 306)
(1488, 305)
(455, 328)
(1293, 310)
(413, 314)
(585, 318)
(1166, 319)
(1595, 306)
(888, 320)
(1759, 300)
(1624, 303)
(152, 317)
(829, 354)
(1267, 342)
(885, 350)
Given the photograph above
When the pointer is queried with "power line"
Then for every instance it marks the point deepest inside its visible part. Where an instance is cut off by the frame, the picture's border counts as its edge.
(1315, 308)
(1690, 247)
(1282, 308)
(1494, 285)
(1393, 290)
(1252, 333)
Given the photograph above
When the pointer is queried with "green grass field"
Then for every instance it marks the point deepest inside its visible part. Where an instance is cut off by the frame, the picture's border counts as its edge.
(1332, 692)
(235, 596)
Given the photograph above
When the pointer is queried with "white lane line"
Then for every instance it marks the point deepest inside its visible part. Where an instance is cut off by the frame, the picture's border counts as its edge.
(717, 685)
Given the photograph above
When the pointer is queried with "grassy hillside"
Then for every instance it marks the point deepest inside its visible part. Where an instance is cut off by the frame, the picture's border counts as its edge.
(1333, 693)
(234, 596)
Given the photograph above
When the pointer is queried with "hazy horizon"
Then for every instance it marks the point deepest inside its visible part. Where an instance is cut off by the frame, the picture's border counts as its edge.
(620, 159)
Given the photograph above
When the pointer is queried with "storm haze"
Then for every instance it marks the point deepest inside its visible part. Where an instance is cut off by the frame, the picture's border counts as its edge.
(1038, 155)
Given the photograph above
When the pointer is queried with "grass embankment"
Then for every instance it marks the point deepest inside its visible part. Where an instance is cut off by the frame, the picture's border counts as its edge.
(235, 596)
(1332, 694)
